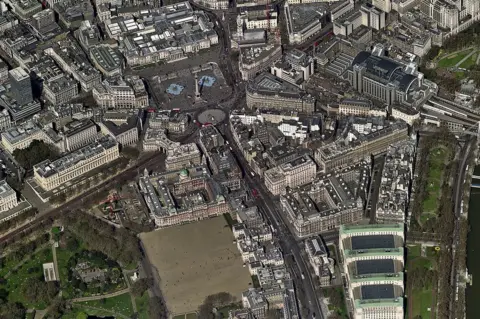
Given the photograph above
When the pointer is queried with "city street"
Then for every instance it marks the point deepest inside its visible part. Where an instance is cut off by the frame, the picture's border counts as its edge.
(288, 243)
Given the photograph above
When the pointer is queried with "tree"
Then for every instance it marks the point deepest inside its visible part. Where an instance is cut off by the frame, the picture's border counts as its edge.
(12, 310)
(141, 285)
(36, 152)
(130, 152)
(157, 308)
(57, 308)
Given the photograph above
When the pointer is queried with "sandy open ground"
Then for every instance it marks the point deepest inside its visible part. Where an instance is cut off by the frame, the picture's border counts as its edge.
(194, 261)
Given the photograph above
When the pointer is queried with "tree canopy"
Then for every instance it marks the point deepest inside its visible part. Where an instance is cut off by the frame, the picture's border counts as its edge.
(36, 152)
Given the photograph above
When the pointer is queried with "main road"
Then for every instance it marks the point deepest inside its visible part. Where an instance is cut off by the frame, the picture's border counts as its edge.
(458, 192)
(288, 243)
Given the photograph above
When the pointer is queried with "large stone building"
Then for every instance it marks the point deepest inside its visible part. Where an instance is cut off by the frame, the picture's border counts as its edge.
(270, 92)
(330, 201)
(387, 80)
(360, 139)
(373, 264)
(121, 93)
(77, 134)
(181, 156)
(20, 137)
(200, 196)
(49, 175)
(292, 174)
(8, 197)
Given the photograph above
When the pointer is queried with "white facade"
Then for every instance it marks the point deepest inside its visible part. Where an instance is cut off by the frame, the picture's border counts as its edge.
(50, 175)
(8, 197)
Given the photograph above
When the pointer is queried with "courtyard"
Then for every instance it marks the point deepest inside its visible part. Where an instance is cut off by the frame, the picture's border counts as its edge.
(194, 261)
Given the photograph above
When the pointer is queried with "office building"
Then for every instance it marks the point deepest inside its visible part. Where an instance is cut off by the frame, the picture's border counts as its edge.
(357, 107)
(323, 266)
(88, 35)
(182, 156)
(121, 93)
(296, 68)
(71, 59)
(20, 137)
(60, 90)
(373, 263)
(24, 8)
(255, 59)
(385, 79)
(77, 134)
(270, 92)
(106, 60)
(125, 133)
(295, 173)
(49, 175)
(20, 85)
(359, 142)
(304, 20)
(329, 201)
(183, 196)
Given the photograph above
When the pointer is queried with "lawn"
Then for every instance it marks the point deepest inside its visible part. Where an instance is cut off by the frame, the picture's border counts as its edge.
(121, 304)
(142, 306)
(452, 60)
(420, 298)
(422, 301)
(413, 251)
(31, 268)
(436, 161)
(470, 61)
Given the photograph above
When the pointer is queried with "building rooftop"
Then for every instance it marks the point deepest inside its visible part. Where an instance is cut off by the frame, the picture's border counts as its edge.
(48, 168)
(5, 190)
(373, 242)
(356, 229)
(385, 69)
(106, 57)
(379, 303)
(375, 266)
(76, 127)
(268, 84)
(370, 292)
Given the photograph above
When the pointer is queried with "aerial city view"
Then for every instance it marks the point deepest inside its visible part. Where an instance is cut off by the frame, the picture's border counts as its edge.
(240, 159)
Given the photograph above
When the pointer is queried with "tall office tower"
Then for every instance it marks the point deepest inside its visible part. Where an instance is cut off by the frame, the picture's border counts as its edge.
(21, 86)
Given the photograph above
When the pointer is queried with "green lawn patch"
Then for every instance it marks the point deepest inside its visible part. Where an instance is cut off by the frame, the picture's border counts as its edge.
(193, 315)
(422, 301)
(121, 304)
(471, 61)
(31, 268)
(179, 317)
(436, 166)
(224, 311)
(452, 60)
(413, 251)
(142, 306)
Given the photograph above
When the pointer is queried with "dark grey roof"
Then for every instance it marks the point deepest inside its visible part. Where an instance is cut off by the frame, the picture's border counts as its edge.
(384, 68)
(373, 241)
(378, 292)
(375, 266)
